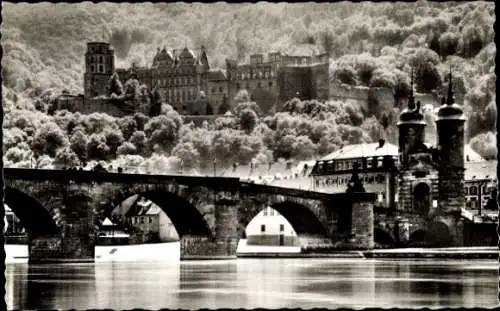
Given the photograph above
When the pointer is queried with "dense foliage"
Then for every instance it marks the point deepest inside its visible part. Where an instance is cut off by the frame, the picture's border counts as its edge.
(372, 45)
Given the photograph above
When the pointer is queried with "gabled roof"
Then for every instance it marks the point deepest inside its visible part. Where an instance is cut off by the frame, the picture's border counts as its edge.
(107, 222)
(153, 210)
(481, 170)
(362, 150)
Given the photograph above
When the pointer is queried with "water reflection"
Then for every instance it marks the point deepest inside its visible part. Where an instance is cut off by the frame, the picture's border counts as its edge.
(253, 283)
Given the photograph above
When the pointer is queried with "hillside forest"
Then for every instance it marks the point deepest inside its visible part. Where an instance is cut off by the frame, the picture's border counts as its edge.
(370, 44)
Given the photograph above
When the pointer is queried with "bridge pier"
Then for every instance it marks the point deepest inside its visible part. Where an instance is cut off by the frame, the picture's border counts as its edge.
(223, 243)
(61, 249)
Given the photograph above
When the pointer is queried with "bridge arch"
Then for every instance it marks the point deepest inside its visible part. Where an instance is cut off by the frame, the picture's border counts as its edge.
(303, 219)
(435, 234)
(193, 217)
(36, 219)
(383, 237)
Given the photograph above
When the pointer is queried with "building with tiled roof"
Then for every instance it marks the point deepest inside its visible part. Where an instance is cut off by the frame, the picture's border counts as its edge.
(376, 163)
(150, 219)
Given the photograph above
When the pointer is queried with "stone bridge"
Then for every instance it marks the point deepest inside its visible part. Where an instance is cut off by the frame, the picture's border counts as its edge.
(62, 211)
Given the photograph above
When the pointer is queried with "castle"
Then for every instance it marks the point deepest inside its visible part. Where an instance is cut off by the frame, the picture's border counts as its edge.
(183, 79)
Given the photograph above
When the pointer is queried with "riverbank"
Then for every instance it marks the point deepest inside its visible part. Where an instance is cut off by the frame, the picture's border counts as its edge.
(171, 252)
(448, 252)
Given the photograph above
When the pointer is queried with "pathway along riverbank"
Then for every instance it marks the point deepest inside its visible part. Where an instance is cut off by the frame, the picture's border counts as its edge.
(402, 253)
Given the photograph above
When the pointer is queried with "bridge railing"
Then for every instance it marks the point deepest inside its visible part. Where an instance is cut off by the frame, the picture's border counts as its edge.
(65, 176)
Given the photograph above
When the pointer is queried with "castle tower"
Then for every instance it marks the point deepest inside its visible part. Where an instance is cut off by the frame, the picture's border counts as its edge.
(450, 127)
(411, 129)
(99, 66)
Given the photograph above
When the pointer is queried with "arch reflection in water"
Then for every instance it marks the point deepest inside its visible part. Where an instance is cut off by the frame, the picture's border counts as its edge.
(208, 284)
(145, 285)
(253, 283)
(50, 286)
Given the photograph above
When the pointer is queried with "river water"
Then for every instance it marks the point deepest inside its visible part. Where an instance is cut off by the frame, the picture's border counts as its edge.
(253, 283)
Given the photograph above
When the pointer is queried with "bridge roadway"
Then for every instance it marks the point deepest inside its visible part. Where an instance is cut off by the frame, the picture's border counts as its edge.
(226, 183)
(209, 213)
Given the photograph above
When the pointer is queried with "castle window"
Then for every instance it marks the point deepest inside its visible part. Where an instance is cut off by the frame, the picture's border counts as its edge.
(238, 76)
(238, 86)
(101, 60)
(101, 68)
(258, 85)
(466, 190)
(220, 89)
(92, 68)
(213, 89)
(260, 74)
(270, 84)
(92, 59)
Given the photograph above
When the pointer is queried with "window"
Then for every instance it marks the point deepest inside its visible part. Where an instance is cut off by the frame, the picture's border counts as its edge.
(92, 68)
(101, 59)
(258, 85)
(220, 89)
(262, 228)
(473, 190)
(92, 59)
(238, 86)
(466, 190)
(150, 220)
(271, 212)
(213, 90)
(282, 227)
(270, 84)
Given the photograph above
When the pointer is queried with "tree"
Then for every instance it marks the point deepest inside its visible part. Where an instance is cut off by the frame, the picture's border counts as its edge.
(346, 75)
(78, 143)
(155, 108)
(141, 119)
(401, 87)
(115, 86)
(284, 147)
(114, 138)
(365, 66)
(242, 97)
(128, 126)
(303, 148)
(248, 120)
(448, 44)
(188, 154)
(427, 76)
(97, 147)
(485, 145)
(126, 148)
(162, 132)
(66, 158)
(238, 109)
(49, 137)
(139, 140)
(383, 78)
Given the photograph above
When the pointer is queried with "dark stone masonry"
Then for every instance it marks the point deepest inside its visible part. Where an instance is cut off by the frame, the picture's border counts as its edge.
(210, 213)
